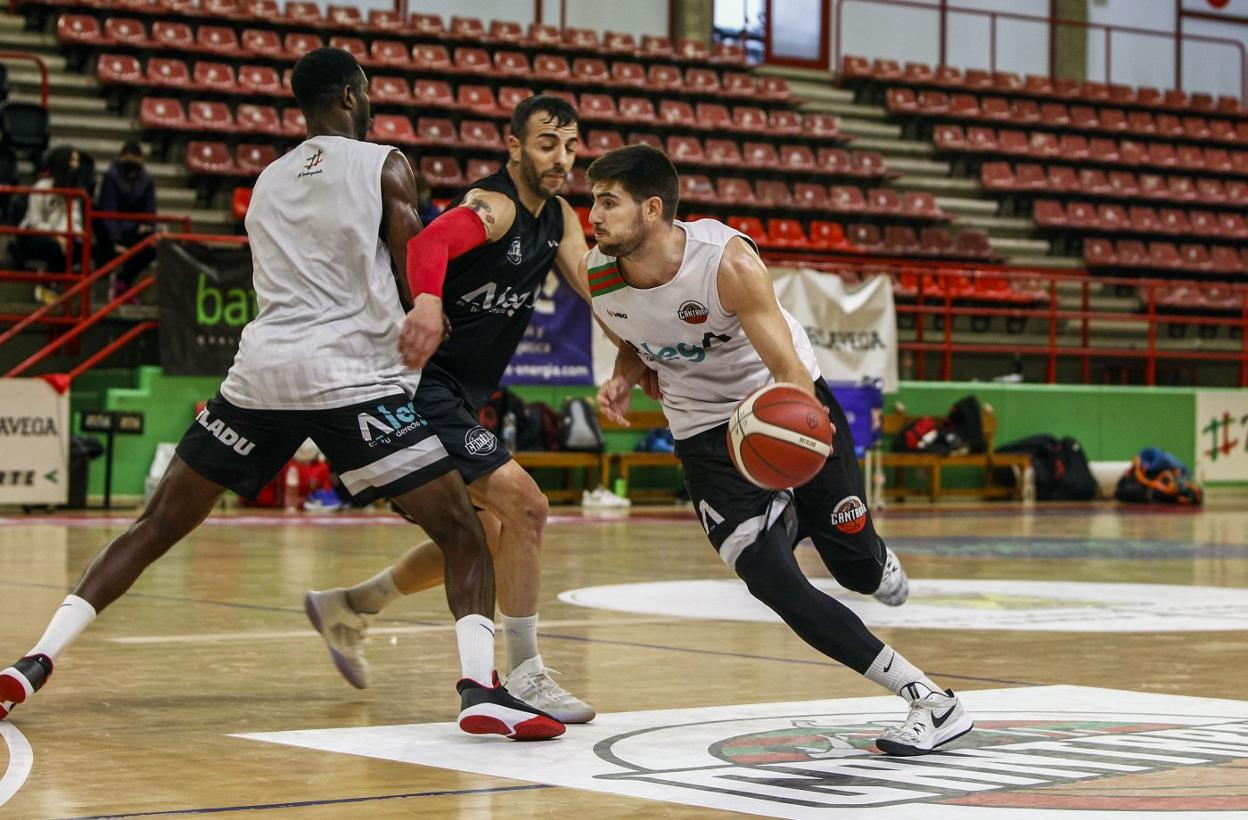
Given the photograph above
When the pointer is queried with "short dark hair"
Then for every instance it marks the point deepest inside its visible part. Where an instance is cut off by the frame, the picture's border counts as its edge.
(320, 75)
(641, 170)
(132, 148)
(556, 108)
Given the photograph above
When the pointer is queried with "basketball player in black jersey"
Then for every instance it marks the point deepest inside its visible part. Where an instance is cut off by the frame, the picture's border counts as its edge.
(483, 262)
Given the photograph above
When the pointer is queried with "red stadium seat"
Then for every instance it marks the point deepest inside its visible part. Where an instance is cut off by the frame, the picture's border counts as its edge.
(826, 235)
(293, 123)
(385, 20)
(974, 244)
(835, 161)
(1099, 253)
(428, 25)
(598, 143)
(1113, 219)
(210, 116)
(749, 119)
(738, 84)
(866, 237)
(1204, 223)
(1226, 260)
(256, 80)
(748, 225)
(1032, 177)
(774, 88)
(467, 28)
(1093, 181)
(1024, 112)
(784, 123)
(472, 60)
(476, 99)
(696, 188)
(210, 158)
(1123, 184)
(124, 31)
(258, 119)
(615, 42)
(79, 29)
(904, 101)
(1144, 220)
(998, 176)
(298, 43)
(900, 240)
(1190, 157)
(921, 205)
(1217, 159)
(543, 35)
(823, 126)
(1232, 225)
(773, 193)
(302, 12)
(987, 140)
(677, 113)
(1162, 255)
(1049, 213)
(390, 91)
(434, 131)
(724, 152)
(511, 63)
(655, 46)
(480, 134)
(344, 16)
(479, 168)
(1195, 257)
(799, 158)
(785, 233)
(951, 138)
(763, 155)
(502, 31)
(442, 172)
(121, 69)
(219, 40)
(685, 149)
(664, 78)
(713, 117)
(429, 57)
(254, 41)
(390, 53)
(884, 201)
(1054, 114)
(847, 199)
(166, 73)
(811, 195)
(1062, 178)
(867, 164)
(218, 77)
(1140, 122)
(702, 80)
(735, 191)
(162, 114)
(252, 159)
(393, 129)
(551, 67)
(630, 75)
(692, 50)
(582, 39)
(1081, 215)
(637, 109)
(598, 107)
(1115, 120)
(1103, 150)
(511, 96)
(590, 71)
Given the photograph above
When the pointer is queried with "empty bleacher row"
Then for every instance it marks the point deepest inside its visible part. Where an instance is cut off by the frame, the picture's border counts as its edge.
(1134, 257)
(874, 76)
(1139, 123)
(1026, 179)
(428, 59)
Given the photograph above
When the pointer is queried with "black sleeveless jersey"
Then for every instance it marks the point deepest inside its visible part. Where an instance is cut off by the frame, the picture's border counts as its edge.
(491, 290)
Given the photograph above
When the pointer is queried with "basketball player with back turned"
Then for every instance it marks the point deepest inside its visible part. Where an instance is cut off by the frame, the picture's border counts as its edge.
(483, 262)
(650, 276)
(321, 361)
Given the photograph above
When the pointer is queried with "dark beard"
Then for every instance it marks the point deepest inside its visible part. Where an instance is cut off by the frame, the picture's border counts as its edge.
(620, 249)
(533, 180)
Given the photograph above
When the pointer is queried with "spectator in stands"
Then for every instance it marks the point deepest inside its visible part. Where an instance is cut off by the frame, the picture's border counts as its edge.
(49, 213)
(128, 188)
(427, 211)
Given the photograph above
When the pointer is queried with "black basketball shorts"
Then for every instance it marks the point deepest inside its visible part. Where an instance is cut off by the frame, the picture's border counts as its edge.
(442, 400)
(830, 509)
(379, 448)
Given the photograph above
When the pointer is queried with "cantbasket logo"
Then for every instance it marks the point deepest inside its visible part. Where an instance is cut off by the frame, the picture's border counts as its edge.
(850, 515)
(1034, 752)
(513, 253)
(694, 313)
(480, 442)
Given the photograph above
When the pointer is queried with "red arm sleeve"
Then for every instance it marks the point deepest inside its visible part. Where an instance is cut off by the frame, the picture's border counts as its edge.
(453, 234)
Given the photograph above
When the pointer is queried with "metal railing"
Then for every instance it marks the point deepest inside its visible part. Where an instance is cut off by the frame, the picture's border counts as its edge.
(39, 63)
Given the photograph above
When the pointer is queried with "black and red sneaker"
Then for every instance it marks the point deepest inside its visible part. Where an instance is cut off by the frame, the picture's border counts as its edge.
(24, 678)
(492, 710)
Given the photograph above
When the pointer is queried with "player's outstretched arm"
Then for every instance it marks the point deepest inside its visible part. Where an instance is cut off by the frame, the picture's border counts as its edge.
(484, 216)
(745, 289)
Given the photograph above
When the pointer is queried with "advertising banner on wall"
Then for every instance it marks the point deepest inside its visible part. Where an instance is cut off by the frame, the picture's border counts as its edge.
(853, 328)
(205, 299)
(556, 347)
(1222, 435)
(34, 443)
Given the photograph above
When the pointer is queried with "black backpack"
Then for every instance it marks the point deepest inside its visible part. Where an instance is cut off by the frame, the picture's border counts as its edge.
(966, 420)
(1164, 486)
(578, 427)
(1060, 467)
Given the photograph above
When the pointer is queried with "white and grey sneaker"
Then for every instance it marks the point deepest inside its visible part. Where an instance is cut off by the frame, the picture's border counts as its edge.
(894, 585)
(344, 631)
(935, 719)
(531, 683)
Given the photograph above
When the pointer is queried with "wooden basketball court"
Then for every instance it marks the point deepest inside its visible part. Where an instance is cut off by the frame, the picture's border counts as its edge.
(142, 715)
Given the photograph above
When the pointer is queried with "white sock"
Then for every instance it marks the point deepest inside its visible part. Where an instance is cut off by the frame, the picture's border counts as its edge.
(899, 676)
(475, 636)
(521, 639)
(375, 594)
(71, 618)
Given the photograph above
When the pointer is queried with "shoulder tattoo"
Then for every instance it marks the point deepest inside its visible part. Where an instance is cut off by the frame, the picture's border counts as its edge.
(482, 209)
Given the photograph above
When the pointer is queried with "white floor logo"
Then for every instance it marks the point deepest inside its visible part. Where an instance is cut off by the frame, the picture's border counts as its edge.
(1054, 751)
(1054, 606)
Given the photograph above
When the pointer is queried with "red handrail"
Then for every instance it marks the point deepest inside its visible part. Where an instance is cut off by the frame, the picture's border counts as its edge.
(1176, 36)
(39, 63)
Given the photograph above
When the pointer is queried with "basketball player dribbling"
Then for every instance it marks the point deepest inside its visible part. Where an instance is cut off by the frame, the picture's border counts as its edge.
(321, 360)
(484, 262)
(694, 302)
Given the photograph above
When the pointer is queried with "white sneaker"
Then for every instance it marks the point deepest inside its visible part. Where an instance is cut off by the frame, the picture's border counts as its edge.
(894, 585)
(602, 497)
(531, 683)
(344, 631)
(935, 719)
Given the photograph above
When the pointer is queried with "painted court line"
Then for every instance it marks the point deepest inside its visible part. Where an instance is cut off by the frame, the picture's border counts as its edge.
(21, 758)
(275, 635)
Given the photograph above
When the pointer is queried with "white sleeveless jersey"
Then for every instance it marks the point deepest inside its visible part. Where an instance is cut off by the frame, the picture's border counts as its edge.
(705, 363)
(327, 331)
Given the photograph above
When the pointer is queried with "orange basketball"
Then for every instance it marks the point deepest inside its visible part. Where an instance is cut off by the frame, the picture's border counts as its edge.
(779, 437)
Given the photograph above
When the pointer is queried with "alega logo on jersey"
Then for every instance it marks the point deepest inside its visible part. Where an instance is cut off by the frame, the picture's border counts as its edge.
(402, 419)
(693, 353)
(489, 298)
